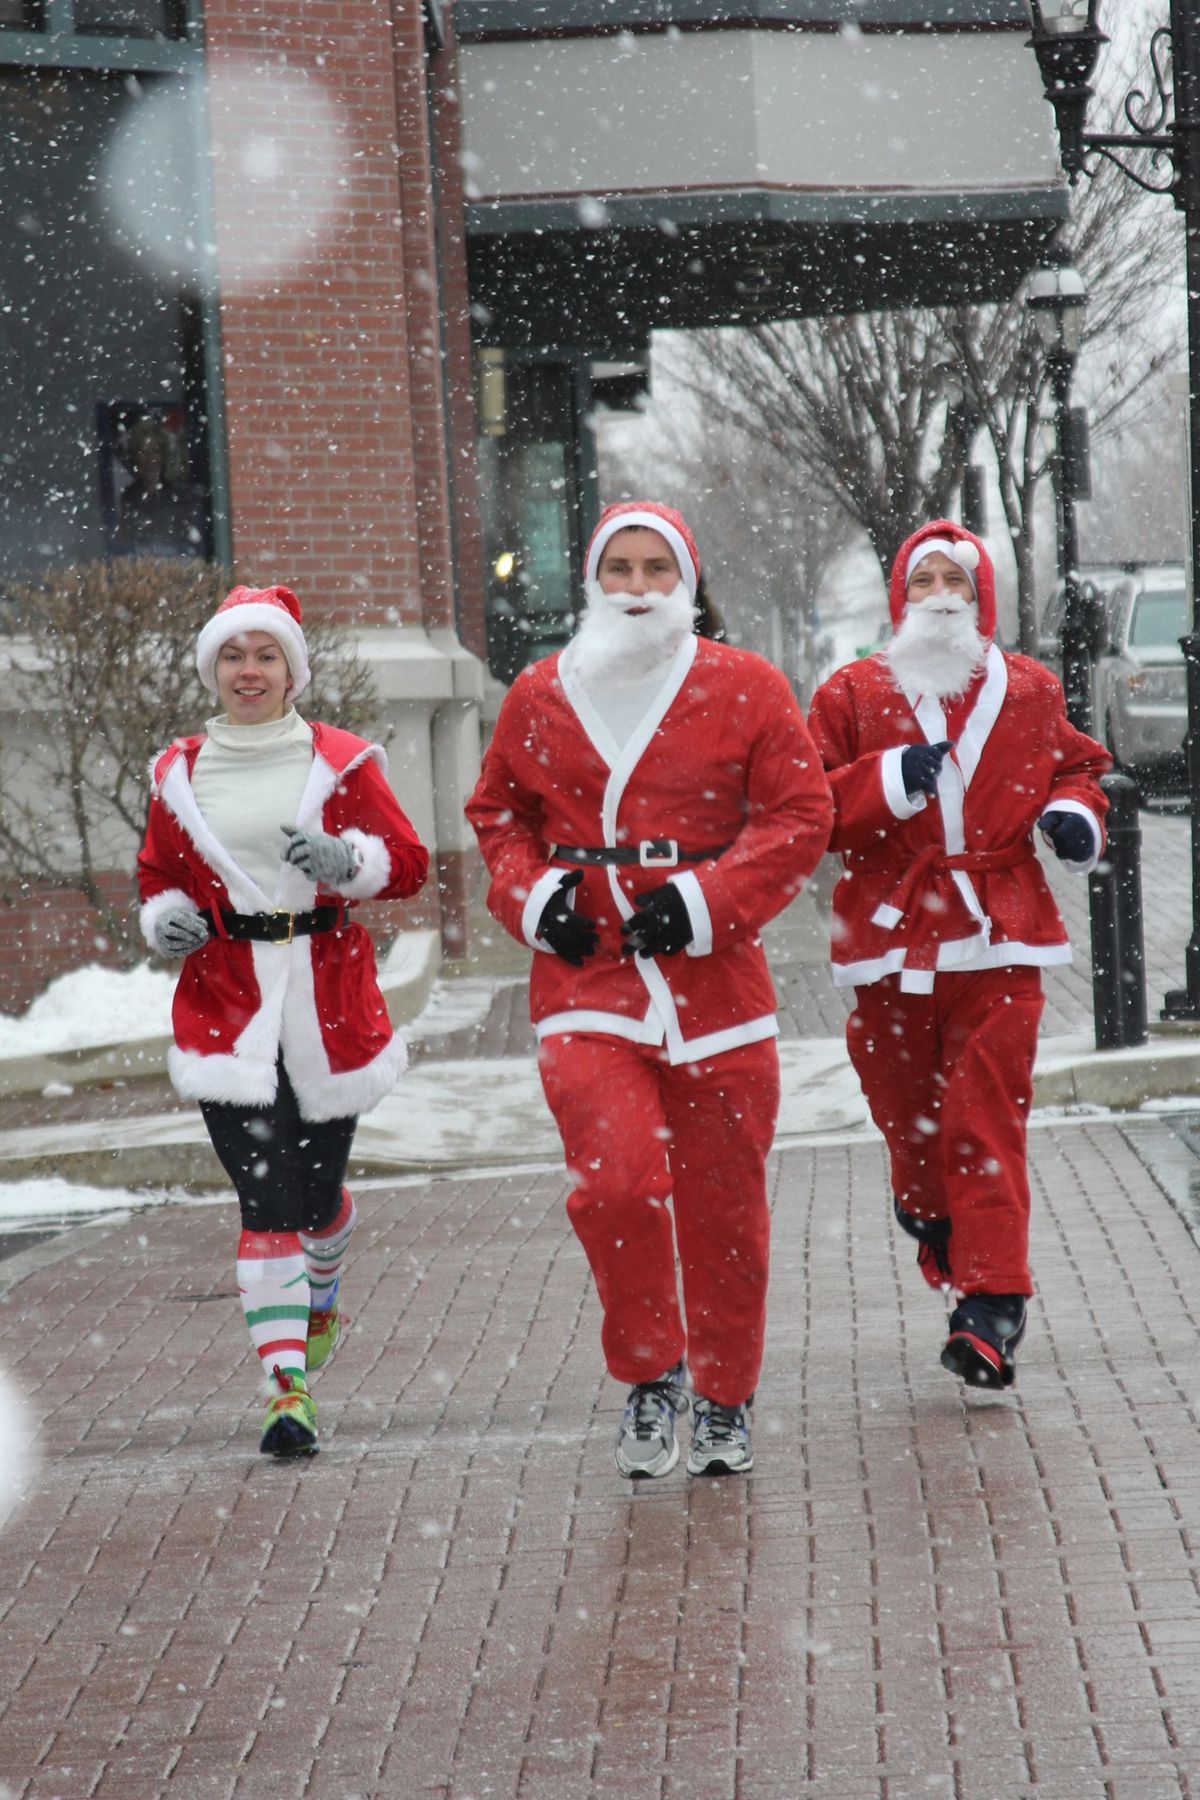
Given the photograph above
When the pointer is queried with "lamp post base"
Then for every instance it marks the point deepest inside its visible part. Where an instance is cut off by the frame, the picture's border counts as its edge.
(1184, 1003)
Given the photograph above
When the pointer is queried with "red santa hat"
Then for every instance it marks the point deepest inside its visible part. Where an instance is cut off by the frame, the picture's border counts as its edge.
(648, 515)
(275, 610)
(962, 547)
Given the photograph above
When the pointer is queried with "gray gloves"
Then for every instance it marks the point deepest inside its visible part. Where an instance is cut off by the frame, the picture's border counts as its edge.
(179, 931)
(329, 860)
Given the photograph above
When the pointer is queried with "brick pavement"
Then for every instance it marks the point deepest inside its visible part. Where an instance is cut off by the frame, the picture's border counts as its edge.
(916, 1593)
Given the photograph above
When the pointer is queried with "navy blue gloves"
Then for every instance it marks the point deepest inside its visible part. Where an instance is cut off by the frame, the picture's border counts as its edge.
(661, 926)
(571, 935)
(1070, 835)
(920, 765)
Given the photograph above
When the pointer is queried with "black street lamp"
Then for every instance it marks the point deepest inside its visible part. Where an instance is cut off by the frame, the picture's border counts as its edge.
(1056, 297)
(1164, 129)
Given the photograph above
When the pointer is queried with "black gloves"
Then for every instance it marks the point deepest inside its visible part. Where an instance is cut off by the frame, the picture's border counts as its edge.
(1071, 837)
(571, 935)
(920, 765)
(662, 925)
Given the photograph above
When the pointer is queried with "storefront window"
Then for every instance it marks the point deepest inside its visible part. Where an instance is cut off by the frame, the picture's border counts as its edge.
(130, 18)
(530, 511)
(102, 439)
(21, 15)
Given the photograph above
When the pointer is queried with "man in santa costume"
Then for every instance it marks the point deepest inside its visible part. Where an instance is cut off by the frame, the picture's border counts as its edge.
(648, 801)
(945, 754)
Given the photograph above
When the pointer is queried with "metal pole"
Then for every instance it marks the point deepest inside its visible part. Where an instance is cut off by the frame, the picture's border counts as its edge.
(1184, 1003)
(1118, 938)
(1076, 638)
(1102, 910)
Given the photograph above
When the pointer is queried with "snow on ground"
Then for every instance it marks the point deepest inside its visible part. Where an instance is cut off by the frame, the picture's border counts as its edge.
(18, 1453)
(89, 1007)
(457, 1114)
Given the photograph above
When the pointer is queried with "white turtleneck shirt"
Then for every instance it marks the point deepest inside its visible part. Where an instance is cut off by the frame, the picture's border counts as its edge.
(247, 781)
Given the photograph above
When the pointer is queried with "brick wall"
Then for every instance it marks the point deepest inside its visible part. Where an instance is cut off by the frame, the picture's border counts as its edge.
(317, 354)
(44, 932)
(347, 364)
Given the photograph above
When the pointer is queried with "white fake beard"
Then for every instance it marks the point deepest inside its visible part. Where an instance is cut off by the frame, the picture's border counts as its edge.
(619, 647)
(937, 647)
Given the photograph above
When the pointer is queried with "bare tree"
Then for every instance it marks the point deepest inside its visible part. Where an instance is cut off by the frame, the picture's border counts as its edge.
(1139, 504)
(766, 535)
(859, 405)
(1129, 252)
(100, 673)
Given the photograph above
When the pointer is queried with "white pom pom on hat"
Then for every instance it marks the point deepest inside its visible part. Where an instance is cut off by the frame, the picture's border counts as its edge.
(274, 610)
(959, 550)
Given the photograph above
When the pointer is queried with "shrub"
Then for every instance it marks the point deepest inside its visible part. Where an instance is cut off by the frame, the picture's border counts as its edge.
(100, 674)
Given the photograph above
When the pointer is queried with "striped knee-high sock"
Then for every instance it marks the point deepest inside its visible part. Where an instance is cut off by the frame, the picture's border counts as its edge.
(273, 1283)
(324, 1252)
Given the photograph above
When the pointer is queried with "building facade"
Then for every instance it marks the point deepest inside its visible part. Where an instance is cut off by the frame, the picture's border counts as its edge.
(327, 291)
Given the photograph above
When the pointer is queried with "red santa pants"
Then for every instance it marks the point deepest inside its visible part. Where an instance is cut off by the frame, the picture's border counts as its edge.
(948, 1077)
(638, 1132)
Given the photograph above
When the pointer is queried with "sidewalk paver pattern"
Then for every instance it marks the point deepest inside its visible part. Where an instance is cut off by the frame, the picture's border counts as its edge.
(917, 1593)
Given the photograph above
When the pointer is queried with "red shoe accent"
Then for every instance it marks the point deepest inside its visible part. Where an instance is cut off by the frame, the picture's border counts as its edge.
(977, 1363)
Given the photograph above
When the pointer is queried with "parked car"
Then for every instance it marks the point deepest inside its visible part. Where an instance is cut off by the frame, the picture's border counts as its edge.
(1139, 688)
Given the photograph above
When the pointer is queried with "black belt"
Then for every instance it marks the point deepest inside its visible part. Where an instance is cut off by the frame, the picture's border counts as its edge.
(278, 927)
(652, 853)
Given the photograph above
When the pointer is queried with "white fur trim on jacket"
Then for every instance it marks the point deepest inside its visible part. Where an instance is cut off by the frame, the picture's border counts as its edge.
(252, 1081)
(535, 906)
(970, 956)
(171, 900)
(374, 865)
(900, 802)
(698, 913)
(1085, 812)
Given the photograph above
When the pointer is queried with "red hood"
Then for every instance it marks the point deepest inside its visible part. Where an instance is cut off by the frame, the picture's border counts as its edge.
(985, 575)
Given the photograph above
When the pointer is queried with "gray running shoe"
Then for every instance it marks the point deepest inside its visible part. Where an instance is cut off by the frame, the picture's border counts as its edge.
(646, 1445)
(720, 1438)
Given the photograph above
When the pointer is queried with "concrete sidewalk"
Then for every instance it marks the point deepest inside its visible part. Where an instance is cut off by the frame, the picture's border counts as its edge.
(916, 1593)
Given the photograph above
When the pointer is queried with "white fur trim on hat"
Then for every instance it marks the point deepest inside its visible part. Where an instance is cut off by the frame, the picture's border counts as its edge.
(963, 553)
(253, 615)
(643, 521)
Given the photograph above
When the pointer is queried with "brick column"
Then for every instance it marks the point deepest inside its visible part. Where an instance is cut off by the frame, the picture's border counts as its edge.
(316, 352)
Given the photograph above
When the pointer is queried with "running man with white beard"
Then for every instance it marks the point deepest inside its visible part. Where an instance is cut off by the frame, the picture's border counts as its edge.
(944, 754)
(648, 801)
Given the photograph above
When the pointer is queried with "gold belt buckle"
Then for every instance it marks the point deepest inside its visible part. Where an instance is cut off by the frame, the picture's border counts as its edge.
(280, 913)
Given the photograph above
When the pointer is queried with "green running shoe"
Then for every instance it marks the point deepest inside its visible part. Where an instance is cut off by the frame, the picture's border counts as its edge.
(324, 1334)
(290, 1427)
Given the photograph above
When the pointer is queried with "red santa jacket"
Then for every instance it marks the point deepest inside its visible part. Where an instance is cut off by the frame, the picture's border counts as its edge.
(951, 882)
(722, 762)
(238, 1004)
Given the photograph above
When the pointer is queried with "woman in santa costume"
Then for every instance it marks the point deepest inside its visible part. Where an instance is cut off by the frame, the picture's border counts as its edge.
(649, 800)
(263, 834)
(944, 754)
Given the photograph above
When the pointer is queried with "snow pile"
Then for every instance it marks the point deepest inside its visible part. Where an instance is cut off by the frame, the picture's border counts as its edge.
(89, 1007)
(18, 1449)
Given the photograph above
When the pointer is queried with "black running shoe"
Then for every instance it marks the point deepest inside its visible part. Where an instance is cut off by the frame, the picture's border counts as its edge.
(985, 1331)
(933, 1244)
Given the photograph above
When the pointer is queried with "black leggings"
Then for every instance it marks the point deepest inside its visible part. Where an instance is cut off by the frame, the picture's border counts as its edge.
(288, 1171)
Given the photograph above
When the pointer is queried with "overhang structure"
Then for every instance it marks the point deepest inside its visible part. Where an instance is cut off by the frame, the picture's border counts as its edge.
(634, 165)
